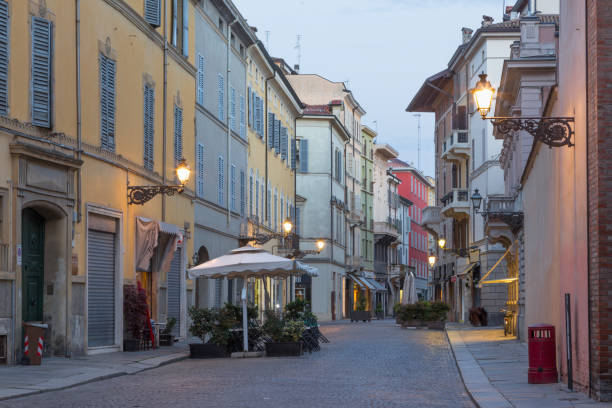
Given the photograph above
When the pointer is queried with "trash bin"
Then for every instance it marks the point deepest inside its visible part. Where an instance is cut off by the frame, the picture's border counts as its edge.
(34, 341)
(542, 354)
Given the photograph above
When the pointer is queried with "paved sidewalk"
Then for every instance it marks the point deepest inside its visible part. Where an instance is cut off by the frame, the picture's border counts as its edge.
(494, 370)
(57, 372)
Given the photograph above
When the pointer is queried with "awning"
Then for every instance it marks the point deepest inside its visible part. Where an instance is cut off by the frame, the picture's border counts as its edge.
(164, 227)
(360, 282)
(377, 285)
(466, 269)
(148, 238)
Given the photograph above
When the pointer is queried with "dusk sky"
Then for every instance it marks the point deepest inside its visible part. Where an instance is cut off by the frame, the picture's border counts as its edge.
(384, 49)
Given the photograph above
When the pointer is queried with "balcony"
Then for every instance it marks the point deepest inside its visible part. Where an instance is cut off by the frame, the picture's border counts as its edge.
(503, 218)
(456, 147)
(386, 229)
(456, 204)
(354, 261)
(432, 217)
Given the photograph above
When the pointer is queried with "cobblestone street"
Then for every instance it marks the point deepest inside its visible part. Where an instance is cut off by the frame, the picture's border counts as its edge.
(365, 365)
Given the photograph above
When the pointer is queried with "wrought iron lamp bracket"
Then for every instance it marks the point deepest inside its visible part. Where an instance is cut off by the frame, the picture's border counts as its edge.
(552, 131)
(139, 195)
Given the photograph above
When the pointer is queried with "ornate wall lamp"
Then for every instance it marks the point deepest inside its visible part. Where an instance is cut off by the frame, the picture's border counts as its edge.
(141, 194)
(290, 242)
(552, 131)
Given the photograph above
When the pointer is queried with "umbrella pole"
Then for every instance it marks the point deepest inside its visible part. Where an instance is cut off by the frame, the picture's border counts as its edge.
(245, 328)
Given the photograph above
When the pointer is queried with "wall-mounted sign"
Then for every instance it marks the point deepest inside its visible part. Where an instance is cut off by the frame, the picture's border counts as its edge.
(474, 255)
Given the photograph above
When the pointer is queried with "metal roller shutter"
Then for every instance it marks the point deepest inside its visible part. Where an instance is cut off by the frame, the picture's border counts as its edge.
(174, 291)
(101, 289)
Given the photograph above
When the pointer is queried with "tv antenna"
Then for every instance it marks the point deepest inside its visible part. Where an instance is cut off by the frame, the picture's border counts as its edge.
(298, 47)
(418, 116)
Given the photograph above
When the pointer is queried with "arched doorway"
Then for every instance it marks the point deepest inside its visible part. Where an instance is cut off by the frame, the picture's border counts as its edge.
(33, 246)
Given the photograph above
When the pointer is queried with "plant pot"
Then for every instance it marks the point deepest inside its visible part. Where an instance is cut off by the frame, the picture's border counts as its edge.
(197, 350)
(131, 345)
(284, 349)
(439, 325)
(412, 323)
(357, 315)
(166, 340)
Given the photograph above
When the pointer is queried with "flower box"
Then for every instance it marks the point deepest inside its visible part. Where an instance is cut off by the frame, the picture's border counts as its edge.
(197, 350)
(436, 325)
(166, 340)
(357, 315)
(284, 349)
(413, 323)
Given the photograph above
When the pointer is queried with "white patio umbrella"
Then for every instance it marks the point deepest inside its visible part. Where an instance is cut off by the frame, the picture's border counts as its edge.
(409, 295)
(248, 262)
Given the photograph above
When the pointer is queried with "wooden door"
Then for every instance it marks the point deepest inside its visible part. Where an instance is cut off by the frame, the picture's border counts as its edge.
(33, 244)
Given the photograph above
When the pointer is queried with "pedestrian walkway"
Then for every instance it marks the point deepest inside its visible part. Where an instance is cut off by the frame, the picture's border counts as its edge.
(494, 370)
(58, 372)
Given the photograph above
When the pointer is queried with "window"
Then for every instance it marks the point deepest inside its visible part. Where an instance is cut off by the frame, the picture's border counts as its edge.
(200, 80)
(149, 109)
(277, 136)
(4, 57)
(242, 118)
(233, 187)
(220, 181)
(178, 135)
(41, 72)
(220, 97)
(200, 170)
(242, 192)
(232, 112)
(152, 12)
(284, 143)
(107, 102)
(251, 194)
(271, 134)
(257, 197)
(269, 207)
(275, 210)
(180, 25)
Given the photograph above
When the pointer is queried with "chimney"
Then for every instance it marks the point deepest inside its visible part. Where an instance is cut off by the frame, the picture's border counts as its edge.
(467, 34)
(487, 21)
(296, 68)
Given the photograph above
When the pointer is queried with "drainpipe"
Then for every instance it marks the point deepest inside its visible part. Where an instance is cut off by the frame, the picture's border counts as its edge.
(164, 114)
(331, 191)
(78, 105)
(265, 114)
(588, 215)
(227, 119)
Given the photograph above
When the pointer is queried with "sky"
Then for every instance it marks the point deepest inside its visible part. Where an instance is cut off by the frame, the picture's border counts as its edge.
(384, 49)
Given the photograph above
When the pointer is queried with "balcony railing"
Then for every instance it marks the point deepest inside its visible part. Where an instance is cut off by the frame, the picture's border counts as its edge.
(456, 146)
(432, 217)
(385, 228)
(504, 210)
(456, 203)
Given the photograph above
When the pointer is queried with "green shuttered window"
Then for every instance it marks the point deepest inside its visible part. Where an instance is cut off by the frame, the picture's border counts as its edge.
(152, 12)
(220, 181)
(107, 102)
(200, 170)
(4, 57)
(200, 80)
(41, 72)
(220, 97)
(149, 118)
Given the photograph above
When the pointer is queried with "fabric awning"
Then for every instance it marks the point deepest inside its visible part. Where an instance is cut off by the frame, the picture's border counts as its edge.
(466, 269)
(377, 285)
(148, 239)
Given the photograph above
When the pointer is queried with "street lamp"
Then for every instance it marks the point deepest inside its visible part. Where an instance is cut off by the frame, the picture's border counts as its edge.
(552, 131)
(476, 200)
(287, 226)
(442, 243)
(432, 260)
(320, 245)
(141, 194)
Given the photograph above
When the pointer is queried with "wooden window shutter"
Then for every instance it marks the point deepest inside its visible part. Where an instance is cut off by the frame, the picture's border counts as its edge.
(271, 121)
(284, 143)
(304, 155)
(277, 126)
(107, 102)
(232, 112)
(4, 57)
(200, 85)
(220, 97)
(242, 192)
(293, 153)
(149, 118)
(200, 170)
(233, 187)
(41, 72)
(178, 134)
(221, 182)
(152, 12)
(242, 117)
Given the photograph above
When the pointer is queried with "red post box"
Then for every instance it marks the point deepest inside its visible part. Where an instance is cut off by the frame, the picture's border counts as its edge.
(542, 354)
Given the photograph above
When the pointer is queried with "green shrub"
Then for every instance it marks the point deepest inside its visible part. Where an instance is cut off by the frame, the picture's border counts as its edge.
(295, 310)
(169, 326)
(292, 330)
(423, 310)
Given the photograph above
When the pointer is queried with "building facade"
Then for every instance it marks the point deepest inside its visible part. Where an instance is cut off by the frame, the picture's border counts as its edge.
(368, 136)
(71, 148)
(221, 40)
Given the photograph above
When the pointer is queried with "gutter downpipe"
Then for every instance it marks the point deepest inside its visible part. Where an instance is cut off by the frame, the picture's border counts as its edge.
(165, 112)
(78, 106)
(227, 120)
(265, 114)
(588, 216)
(331, 192)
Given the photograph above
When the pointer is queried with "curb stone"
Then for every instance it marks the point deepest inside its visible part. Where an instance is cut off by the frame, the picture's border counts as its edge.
(86, 378)
(476, 383)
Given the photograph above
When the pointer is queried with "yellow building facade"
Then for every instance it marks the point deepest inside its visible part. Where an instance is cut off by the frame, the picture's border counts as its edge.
(273, 109)
(97, 96)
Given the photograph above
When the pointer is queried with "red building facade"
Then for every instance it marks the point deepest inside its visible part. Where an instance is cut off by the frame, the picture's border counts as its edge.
(414, 187)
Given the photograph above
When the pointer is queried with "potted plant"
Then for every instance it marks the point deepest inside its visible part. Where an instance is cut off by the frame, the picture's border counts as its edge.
(438, 314)
(165, 336)
(380, 313)
(285, 335)
(134, 316)
(212, 326)
(360, 312)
